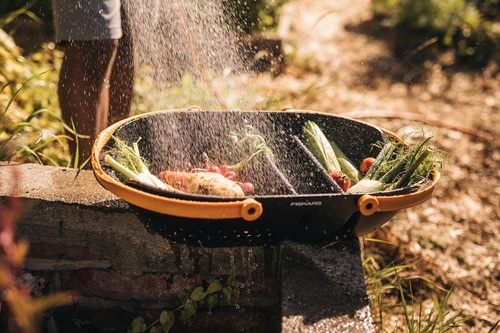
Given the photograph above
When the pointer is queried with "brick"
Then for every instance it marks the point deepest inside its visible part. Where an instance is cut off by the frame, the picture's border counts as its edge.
(115, 286)
(59, 251)
(49, 265)
(87, 241)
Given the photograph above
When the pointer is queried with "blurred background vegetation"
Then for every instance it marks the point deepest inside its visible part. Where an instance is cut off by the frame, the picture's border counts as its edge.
(254, 16)
(31, 130)
(468, 28)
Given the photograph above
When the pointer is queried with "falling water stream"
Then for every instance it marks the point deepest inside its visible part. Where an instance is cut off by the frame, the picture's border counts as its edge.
(184, 40)
(196, 42)
(188, 40)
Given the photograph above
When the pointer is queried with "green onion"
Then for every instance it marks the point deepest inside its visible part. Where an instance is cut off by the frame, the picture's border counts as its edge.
(398, 165)
(130, 165)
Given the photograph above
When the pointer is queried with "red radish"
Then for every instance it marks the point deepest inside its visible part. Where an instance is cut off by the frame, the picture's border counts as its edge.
(245, 176)
(366, 164)
(248, 188)
(341, 179)
(224, 168)
(213, 168)
(231, 175)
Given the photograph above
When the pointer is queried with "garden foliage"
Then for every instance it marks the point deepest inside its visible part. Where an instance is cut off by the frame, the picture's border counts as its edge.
(254, 16)
(31, 129)
(469, 28)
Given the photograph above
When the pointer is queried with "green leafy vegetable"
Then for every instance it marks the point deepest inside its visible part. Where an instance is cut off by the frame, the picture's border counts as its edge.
(240, 147)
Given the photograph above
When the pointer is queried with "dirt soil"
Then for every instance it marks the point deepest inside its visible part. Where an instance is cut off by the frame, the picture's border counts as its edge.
(347, 68)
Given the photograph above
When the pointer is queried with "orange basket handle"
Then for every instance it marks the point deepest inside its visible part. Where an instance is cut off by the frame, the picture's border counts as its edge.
(370, 204)
(247, 209)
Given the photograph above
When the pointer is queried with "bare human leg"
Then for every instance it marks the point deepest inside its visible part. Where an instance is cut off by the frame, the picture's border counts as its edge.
(84, 96)
(122, 77)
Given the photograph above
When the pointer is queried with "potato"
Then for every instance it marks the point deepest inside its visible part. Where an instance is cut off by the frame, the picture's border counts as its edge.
(211, 183)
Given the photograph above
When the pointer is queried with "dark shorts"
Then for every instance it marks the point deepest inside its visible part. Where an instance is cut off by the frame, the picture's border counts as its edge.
(87, 20)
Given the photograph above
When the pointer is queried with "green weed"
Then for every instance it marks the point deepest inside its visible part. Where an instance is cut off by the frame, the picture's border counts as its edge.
(390, 292)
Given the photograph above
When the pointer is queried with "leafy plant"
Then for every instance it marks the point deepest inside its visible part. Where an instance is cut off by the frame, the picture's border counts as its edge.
(15, 13)
(32, 129)
(253, 16)
(200, 297)
(438, 319)
(25, 310)
(468, 27)
(396, 280)
(29, 139)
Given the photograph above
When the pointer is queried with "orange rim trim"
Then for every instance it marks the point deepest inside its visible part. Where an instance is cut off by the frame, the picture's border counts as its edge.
(248, 209)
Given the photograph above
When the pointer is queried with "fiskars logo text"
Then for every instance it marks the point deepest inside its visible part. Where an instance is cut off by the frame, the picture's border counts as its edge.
(305, 203)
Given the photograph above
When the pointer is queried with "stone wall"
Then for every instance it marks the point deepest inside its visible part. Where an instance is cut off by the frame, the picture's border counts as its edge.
(85, 240)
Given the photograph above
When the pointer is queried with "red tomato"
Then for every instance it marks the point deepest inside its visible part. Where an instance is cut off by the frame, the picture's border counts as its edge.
(341, 179)
(366, 164)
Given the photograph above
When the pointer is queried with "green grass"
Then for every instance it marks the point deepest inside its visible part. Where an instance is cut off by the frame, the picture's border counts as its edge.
(391, 293)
